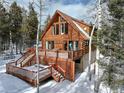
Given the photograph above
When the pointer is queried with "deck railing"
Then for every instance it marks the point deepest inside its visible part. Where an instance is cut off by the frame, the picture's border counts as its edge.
(19, 71)
(64, 61)
(28, 75)
(24, 56)
(74, 54)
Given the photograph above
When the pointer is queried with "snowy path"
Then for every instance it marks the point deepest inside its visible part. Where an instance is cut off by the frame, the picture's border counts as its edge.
(79, 86)
(11, 84)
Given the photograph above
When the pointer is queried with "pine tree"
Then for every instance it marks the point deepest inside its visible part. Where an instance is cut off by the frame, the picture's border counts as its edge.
(4, 28)
(111, 43)
(16, 21)
(24, 30)
(32, 23)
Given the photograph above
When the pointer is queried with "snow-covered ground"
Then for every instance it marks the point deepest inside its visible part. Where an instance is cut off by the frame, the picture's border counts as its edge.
(11, 84)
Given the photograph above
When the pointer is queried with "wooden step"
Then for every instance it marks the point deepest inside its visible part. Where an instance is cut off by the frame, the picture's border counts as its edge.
(57, 76)
(62, 79)
(61, 76)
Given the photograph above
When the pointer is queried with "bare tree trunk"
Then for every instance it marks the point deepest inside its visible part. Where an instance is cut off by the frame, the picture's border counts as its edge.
(97, 84)
(90, 48)
(110, 90)
(106, 90)
(16, 48)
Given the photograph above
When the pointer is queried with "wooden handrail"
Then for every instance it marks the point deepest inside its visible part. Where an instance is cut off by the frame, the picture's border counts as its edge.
(20, 68)
(11, 62)
(28, 60)
(50, 67)
(44, 69)
(25, 57)
(63, 71)
(75, 53)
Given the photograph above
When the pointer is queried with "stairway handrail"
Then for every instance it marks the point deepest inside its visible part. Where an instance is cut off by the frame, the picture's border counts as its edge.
(30, 51)
(28, 60)
(62, 70)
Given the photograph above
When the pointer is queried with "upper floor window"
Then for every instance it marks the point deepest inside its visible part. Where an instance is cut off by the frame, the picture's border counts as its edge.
(55, 29)
(64, 28)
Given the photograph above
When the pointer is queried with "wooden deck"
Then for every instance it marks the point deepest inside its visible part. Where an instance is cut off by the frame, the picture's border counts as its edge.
(29, 74)
(73, 55)
(59, 66)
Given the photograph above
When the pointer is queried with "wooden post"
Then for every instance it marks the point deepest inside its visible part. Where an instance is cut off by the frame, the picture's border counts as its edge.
(73, 71)
(30, 63)
(67, 45)
(45, 57)
(16, 63)
(51, 69)
(21, 64)
(72, 55)
(68, 54)
(66, 69)
(39, 59)
(56, 56)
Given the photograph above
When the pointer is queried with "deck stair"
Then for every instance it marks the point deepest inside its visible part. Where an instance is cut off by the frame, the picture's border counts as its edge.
(27, 60)
(24, 58)
(57, 76)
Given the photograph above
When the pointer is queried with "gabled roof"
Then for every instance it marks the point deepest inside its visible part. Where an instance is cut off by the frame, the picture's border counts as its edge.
(75, 23)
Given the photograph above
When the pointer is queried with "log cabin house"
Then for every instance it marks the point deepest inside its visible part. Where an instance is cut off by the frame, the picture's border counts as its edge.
(64, 33)
(64, 51)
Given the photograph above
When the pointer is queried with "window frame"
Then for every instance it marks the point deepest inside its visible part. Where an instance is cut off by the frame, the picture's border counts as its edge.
(55, 29)
(64, 28)
(48, 43)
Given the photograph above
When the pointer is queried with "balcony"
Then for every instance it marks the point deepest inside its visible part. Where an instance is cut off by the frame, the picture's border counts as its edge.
(74, 54)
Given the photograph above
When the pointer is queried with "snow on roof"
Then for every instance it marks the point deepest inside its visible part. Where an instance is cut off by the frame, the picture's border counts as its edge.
(81, 30)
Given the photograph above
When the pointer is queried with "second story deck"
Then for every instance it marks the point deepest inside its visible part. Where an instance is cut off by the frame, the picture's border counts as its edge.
(55, 53)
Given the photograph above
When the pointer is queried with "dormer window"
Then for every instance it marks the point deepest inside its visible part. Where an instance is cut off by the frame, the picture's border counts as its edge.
(64, 28)
(55, 29)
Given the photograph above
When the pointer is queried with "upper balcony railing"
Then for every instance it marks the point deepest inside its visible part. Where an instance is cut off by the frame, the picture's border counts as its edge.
(73, 54)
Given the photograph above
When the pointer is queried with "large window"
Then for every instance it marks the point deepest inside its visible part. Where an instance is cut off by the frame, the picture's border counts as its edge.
(49, 44)
(65, 45)
(55, 29)
(75, 45)
(70, 45)
(64, 28)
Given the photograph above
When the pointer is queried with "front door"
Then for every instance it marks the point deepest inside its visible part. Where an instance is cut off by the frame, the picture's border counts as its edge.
(65, 45)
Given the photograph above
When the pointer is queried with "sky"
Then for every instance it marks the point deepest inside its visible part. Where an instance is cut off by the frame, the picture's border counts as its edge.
(76, 8)
(66, 2)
